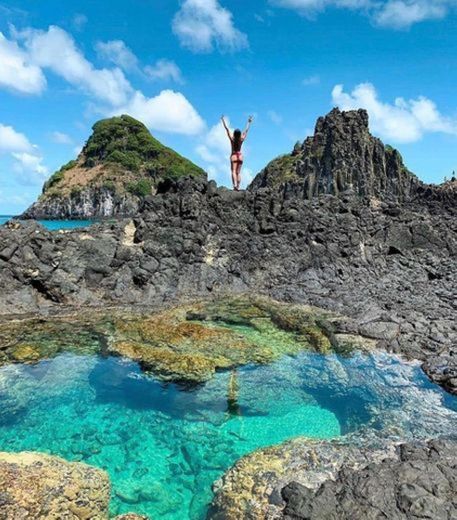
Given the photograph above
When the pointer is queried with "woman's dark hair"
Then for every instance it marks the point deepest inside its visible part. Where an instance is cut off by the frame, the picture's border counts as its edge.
(237, 140)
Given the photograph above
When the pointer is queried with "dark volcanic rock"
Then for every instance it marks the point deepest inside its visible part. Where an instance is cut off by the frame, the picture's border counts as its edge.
(421, 482)
(343, 156)
(391, 268)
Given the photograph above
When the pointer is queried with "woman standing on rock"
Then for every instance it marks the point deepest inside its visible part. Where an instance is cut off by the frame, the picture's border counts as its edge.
(236, 157)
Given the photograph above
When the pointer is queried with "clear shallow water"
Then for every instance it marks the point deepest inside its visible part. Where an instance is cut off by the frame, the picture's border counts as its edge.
(163, 445)
(55, 225)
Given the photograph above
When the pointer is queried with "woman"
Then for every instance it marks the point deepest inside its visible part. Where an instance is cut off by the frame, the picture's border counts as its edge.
(236, 157)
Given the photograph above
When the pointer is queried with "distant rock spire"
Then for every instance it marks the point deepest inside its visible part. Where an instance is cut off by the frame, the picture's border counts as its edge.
(342, 156)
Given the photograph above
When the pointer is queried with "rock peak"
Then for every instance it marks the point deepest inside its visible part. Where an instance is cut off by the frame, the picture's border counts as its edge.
(341, 156)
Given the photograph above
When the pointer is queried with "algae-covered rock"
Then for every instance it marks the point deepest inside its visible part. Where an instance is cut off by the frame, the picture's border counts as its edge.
(190, 342)
(186, 343)
(34, 485)
(251, 489)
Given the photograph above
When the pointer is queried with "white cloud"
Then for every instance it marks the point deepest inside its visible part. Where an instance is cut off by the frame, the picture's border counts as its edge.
(28, 163)
(311, 80)
(79, 21)
(274, 117)
(117, 52)
(403, 121)
(164, 70)
(16, 71)
(396, 14)
(61, 138)
(13, 141)
(29, 168)
(404, 13)
(169, 111)
(202, 25)
(55, 49)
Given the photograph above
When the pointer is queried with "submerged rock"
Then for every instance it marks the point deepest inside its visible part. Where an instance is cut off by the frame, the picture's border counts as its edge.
(186, 343)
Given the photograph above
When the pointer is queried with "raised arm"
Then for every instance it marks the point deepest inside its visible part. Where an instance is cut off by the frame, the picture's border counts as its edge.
(226, 128)
(248, 126)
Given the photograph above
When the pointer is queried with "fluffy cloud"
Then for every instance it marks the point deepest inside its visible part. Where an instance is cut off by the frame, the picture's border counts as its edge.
(164, 70)
(55, 49)
(13, 141)
(202, 25)
(274, 117)
(27, 162)
(16, 71)
(397, 14)
(404, 13)
(61, 138)
(117, 52)
(403, 121)
(29, 168)
(169, 111)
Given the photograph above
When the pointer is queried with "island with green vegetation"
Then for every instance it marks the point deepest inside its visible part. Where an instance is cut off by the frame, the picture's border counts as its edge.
(120, 165)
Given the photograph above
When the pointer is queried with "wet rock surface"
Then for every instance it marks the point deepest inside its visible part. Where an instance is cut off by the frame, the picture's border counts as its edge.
(186, 343)
(307, 480)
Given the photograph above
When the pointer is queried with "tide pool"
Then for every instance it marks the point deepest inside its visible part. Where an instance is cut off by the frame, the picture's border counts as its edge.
(164, 445)
(55, 225)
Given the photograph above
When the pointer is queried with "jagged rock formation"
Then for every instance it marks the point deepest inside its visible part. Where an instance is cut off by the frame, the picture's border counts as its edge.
(120, 164)
(339, 224)
(35, 485)
(339, 480)
(342, 156)
(392, 268)
(420, 482)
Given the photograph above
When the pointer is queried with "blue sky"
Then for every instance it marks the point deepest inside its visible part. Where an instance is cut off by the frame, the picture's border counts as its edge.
(179, 65)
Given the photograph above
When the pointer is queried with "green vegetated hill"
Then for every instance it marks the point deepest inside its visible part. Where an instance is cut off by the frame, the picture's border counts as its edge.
(122, 156)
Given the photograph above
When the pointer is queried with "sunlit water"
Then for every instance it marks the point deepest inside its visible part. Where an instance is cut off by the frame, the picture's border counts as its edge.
(164, 445)
(55, 225)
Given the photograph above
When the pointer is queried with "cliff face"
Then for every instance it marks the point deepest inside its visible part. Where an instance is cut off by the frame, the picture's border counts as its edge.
(341, 156)
(118, 167)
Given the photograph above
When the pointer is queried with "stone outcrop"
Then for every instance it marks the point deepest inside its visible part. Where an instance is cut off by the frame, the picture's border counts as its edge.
(321, 480)
(120, 164)
(342, 156)
(390, 267)
(419, 482)
(34, 485)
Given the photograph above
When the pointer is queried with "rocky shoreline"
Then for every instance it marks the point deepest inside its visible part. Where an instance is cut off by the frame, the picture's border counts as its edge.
(322, 480)
(382, 254)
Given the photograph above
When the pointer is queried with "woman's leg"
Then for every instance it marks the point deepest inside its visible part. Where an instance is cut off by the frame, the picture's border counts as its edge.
(238, 174)
(233, 168)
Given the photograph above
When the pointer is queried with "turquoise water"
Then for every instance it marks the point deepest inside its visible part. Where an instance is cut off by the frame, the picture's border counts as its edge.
(164, 445)
(55, 225)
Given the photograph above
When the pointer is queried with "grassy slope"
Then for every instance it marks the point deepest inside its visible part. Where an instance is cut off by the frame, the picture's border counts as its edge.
(120, 155)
